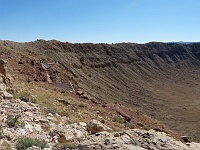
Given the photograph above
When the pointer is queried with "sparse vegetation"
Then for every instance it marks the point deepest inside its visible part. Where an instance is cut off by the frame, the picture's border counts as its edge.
(81, 105)
(130, 125)
(24, 96)
(6, 146)
(118, 119)
(146, 127)
(12, 121)
(64, 146)
(135, 143)
(25, 143)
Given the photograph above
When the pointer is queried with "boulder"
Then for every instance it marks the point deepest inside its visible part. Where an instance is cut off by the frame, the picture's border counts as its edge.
(24, 99)
(82, 124)
(34, 148)
(105, 140)
(79, 134)
(155, 140)
(85, 96)
(194, 146)
(48, 78)
(2, 86)
(185, 139)
(1, 94)
(95, 126)
(7, 95)
(62, 138)
(79, 93)
(5, 81)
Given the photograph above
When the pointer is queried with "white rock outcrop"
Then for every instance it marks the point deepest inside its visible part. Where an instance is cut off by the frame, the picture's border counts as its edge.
(53, 128)
(95, 126)
(4, 80)
(135, 139)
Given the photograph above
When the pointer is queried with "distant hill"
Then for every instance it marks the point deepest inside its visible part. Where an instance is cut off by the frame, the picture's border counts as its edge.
(181, 42)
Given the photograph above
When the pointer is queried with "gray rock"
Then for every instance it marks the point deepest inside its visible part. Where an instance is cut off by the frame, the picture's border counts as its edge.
(7, 95)
(95, 126)
(155, 140)
(105, 140)
(194, 146)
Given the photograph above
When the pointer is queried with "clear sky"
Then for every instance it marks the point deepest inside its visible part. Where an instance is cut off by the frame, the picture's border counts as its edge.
(100, 21)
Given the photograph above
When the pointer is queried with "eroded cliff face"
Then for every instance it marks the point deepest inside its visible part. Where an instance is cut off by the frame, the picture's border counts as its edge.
(161, 80)
(5, 81)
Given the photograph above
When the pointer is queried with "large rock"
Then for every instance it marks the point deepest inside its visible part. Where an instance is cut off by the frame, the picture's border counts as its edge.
(95, 126)
(155, 140)
(135, 139)
(2, 85)
(5, 80)
(194, 146)
(3, 92)
(4, 76)
(105, 140)
(7, 95)
(2, 88)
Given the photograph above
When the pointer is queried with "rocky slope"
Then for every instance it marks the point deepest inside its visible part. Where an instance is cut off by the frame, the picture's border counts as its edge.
(53, 129)
(161, 80)
(24, 126)
(21, 119)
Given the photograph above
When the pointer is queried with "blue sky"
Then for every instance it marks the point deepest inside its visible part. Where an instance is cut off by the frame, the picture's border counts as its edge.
(100, 21)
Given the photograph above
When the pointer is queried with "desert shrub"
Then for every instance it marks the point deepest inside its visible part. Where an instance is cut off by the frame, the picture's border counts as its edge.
(25, 143)
(11, 90)
(130, 125)
(118, 119)
(133, 142)
(12, 121)
(64, 146)
(6, 146)
(146, 127)
(82, 105)
(51, 110)
(64, 113)
(25, 96)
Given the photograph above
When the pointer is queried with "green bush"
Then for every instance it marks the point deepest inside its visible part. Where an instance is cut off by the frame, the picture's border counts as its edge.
(64, 146)
(25, 143)
(118, 119)
(134, 142)
(130, 125)
(12, 121)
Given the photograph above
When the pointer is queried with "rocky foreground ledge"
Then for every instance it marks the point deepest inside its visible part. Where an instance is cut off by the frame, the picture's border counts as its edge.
(19, 119)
